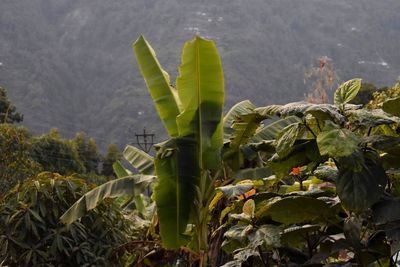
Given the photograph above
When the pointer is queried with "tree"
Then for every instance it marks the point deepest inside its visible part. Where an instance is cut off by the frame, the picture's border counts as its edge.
(112, 156)
(87, 151)
(93, 157)
(16, 164)
(8, 113)
(56, 154)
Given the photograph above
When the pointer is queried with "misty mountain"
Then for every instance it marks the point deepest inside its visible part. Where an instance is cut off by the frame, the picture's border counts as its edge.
(69, 63)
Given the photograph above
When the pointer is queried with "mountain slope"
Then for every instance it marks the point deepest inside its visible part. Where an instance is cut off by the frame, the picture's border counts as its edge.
(69, 64)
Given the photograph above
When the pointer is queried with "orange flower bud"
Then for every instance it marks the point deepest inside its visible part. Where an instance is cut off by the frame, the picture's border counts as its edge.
(295, 171)
(247, 194)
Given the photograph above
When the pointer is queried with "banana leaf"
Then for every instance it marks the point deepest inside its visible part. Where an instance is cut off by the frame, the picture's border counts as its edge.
(139, 159)
(181, 161)
(126, 186)
(120, 171)
(271, 131)
(244, 128)
(301, 109)
(241, 108)
(178, 174)
(200, 87)
(158, 83)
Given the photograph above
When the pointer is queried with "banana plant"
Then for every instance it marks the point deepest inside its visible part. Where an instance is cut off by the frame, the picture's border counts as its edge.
(187, 163)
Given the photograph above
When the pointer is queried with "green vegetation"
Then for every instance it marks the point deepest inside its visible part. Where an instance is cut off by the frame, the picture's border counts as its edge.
(88, 153)
(111, 156)
(24, 155)
(56, 154)
(8, 113)
(31, 234)
(16, 162)
(299, 184)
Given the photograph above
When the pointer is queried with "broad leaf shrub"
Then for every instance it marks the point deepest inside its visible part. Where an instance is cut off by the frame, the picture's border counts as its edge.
(332, 195)
(32, 235)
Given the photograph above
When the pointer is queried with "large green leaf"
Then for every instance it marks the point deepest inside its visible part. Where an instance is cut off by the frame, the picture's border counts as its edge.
(347, 91)
(301, 109)
(262, 236)
(326, 173)
(287, 138)
(301, 154)
(370, 118)
(126, 186)
(178, 175)
(392, 106)
(268, 235)
(121, 172)
(381, 142)
(241, 108)
(295, 209)
(271, 131)
(270, 110)
(200, 86)
(360, 182)
(139, 159)
(337, 142)
(158, 83)
(297, 234)
(244, 128)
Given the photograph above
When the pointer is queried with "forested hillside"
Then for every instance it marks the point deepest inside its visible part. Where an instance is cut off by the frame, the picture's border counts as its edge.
(69, 64)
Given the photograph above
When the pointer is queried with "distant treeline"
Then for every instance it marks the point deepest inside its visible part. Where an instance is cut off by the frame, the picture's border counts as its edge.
(23, 154)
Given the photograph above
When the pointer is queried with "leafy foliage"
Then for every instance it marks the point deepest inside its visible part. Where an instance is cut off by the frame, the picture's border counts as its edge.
(16, 163)
(347, 91)
(296, 184)
(337, 142)
(158, 82)
(112, 155)
(31, 234)
(8, 113)
(56, 154)
(125, 186)
(88, 152)
(139, 159)
(182, 163)
(342, 145)
(361, 183)
(24, 155)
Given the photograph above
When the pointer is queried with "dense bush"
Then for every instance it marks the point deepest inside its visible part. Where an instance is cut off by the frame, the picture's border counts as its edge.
(16, 164)
(88, 152)
(8, 112)
(31, 234)
(56, 154)
(381, 96)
